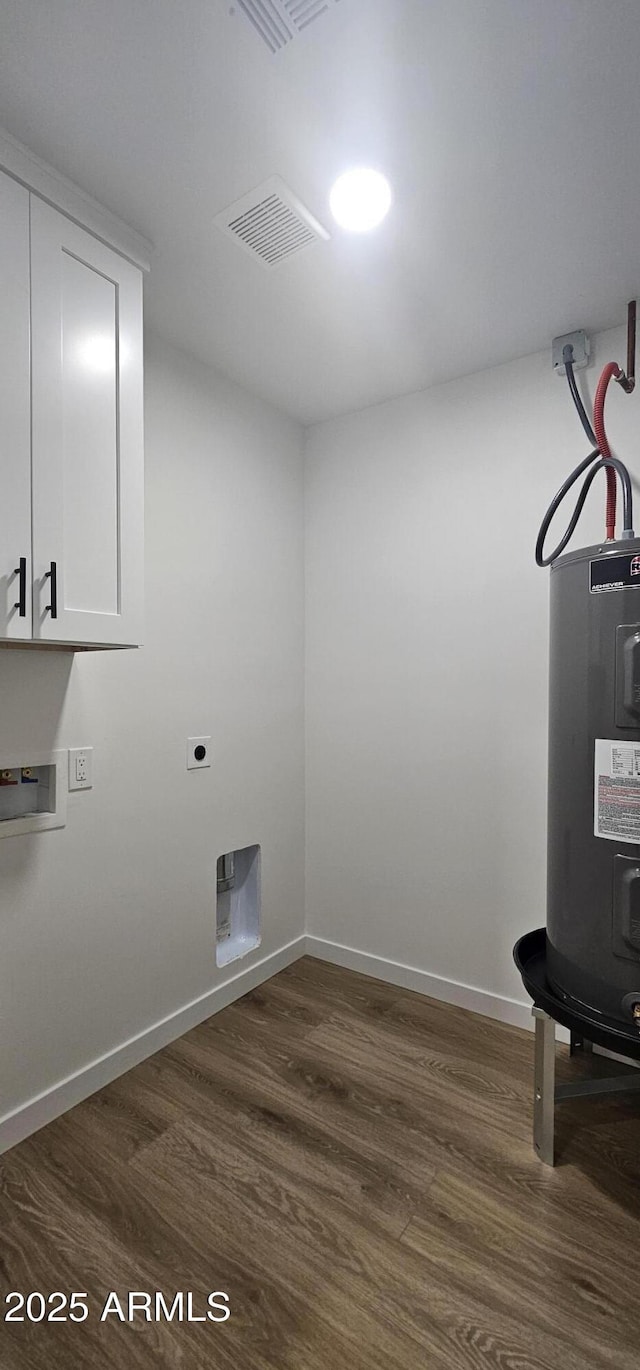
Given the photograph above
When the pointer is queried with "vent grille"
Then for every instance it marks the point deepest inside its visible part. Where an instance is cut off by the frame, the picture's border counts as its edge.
(271, 223)
(278, 21)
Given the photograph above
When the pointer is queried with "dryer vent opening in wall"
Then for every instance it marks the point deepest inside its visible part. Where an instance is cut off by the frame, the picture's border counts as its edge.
(278, 21)
(271, 223)
(238, 904)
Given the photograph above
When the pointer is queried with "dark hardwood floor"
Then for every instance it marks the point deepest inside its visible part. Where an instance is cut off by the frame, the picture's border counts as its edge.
(353, 1165)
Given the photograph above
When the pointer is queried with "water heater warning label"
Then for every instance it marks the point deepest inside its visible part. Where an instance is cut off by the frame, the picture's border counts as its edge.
(616, 790)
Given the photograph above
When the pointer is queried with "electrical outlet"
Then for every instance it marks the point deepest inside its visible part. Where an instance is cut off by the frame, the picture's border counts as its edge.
(80, 768)
(198, 753)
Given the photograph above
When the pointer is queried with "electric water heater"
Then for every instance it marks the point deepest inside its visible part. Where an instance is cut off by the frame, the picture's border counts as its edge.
(593, 911)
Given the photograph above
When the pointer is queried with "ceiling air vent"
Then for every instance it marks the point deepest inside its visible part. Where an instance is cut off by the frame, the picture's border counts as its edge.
(278, 21)
(271, 223)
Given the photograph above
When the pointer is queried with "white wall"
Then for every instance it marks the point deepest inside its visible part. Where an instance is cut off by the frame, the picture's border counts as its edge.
(107, 926)
(426, 636)
(426, 713)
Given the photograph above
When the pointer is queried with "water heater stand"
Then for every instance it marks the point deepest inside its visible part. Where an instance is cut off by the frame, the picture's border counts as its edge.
(585, 1031)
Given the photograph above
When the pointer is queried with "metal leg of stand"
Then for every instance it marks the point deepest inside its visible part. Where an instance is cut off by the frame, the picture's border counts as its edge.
(544, 1086)
(579, 1043)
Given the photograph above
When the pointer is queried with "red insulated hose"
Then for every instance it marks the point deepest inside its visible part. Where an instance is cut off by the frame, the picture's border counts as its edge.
(611, 370)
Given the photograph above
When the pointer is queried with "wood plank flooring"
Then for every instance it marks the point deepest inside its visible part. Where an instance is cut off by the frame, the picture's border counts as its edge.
(352, 1164)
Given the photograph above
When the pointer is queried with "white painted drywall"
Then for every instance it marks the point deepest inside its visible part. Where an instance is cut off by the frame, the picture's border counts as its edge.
(507, 128)
(426, 633)
(107, 926)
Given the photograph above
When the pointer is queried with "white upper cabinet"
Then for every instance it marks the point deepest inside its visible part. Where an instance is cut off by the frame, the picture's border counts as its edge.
(15, 420)
(71, 436)
(87, 470)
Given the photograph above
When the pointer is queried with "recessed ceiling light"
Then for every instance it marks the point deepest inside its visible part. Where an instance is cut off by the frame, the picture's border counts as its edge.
(360, 199)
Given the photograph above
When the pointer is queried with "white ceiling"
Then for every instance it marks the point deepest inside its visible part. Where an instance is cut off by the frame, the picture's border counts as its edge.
(509, 130)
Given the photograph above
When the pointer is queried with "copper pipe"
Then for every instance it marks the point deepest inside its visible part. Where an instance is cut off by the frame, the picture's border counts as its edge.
(631, 341)
(628, 381)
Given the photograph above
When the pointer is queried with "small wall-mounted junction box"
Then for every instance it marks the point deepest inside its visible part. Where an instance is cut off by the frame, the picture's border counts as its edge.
(581, 345)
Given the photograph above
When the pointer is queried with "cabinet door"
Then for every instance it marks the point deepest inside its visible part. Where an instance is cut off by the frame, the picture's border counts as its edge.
(15, 435)
(87, 453)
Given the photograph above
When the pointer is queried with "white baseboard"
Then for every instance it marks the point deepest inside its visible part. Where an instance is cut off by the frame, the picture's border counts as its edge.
(517, 1012)
(23, 1121)
(505, 1010)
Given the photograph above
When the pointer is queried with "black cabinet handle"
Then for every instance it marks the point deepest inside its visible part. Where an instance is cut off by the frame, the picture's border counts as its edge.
(21, 602)
(53, 576)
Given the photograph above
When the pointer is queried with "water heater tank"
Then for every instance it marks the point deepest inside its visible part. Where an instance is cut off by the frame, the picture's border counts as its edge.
(593, 911)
